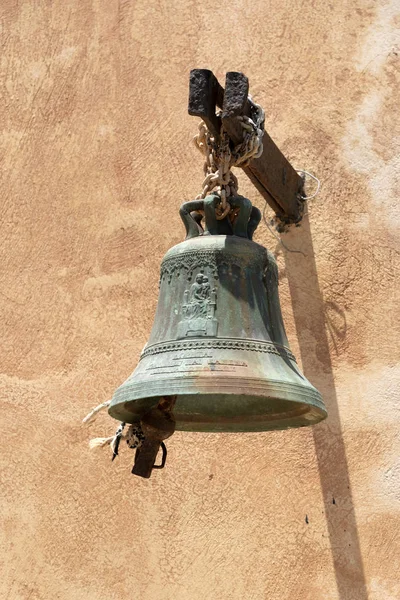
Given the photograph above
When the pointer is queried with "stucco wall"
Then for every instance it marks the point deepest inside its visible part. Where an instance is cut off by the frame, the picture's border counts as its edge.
(96, 157)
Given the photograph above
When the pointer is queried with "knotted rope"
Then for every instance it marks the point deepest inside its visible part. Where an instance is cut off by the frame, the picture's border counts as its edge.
(134, 436)
(220, 158)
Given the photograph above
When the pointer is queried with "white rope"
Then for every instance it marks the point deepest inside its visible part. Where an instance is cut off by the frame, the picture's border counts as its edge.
(111, 440)
(219, 158)
(92, 415)
(304, 198)
(134, 436)
(103, 441)
(100, 442)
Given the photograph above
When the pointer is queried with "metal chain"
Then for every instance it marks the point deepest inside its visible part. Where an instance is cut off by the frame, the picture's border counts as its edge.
(219, 158)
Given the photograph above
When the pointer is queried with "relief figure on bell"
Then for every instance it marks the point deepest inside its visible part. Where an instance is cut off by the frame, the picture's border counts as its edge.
(198, 309)
(200, 289)
(199, 294)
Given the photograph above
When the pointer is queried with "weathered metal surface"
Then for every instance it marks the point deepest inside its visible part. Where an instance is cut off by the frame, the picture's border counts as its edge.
(244, 225)
(271, 173)
(236, 103)
(205, 93)
(235, 95)
(219, 345)
(158, 424)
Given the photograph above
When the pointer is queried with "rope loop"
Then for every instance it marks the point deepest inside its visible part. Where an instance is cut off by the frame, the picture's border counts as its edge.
(302, 172)
(134, 436)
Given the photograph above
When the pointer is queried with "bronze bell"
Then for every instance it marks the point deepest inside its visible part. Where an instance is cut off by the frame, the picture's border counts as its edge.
(218, 346)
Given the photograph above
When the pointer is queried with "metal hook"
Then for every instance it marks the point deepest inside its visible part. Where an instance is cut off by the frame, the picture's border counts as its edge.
(164, 457)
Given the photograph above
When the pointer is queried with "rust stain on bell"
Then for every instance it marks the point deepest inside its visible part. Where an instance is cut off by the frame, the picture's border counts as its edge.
(218, 343)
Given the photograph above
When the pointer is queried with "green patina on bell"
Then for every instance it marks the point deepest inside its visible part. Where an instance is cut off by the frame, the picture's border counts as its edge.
(218, 344)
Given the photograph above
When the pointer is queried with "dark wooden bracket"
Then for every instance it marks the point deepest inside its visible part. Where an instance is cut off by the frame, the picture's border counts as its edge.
(271, 173)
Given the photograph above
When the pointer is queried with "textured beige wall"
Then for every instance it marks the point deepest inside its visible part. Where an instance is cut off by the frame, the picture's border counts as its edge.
(96, 157)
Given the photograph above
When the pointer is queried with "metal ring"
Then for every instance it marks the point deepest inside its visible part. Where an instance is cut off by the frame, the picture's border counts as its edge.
(225, 212)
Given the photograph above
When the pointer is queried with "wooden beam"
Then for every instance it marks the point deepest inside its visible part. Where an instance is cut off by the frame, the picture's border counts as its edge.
(271, 173)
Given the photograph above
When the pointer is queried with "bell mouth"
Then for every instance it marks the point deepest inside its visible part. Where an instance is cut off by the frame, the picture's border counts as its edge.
(278, 406)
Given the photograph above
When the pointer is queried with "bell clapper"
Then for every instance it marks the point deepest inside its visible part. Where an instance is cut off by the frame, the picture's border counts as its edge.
(158, 424)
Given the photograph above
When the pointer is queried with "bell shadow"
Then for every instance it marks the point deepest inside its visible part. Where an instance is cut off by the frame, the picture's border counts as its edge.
(312, 321)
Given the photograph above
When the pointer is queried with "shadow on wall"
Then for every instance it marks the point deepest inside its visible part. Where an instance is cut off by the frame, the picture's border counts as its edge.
(312, 322)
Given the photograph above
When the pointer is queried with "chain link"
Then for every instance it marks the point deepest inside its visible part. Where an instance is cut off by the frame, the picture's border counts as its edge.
(220, 158)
